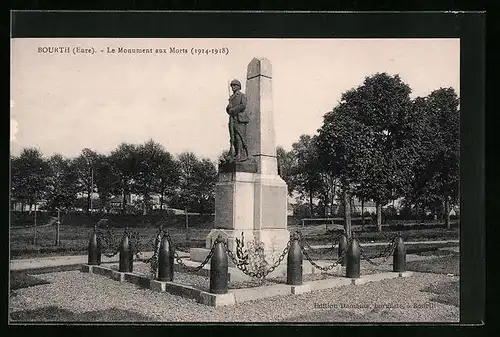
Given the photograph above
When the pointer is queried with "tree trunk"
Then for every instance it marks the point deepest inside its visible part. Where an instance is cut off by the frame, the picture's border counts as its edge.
(88, 201)
(447, 212)
(379, 216)
(311, 202)
(332, 202)
(161, 201)
(325, 206)
(363, 213)
(347, 214)
(124, 197)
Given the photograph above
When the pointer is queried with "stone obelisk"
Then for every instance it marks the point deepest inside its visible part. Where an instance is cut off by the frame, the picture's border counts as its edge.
(270, 190)
(250, 197)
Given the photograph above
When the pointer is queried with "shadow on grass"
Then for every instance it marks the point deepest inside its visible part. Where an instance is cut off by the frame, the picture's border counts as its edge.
(20, 279)
(448, 292)
(51, 269)
(437, 252)
(56, 314)
(449, 264)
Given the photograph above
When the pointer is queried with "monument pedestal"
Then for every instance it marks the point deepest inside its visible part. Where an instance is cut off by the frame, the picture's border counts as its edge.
(252, 205)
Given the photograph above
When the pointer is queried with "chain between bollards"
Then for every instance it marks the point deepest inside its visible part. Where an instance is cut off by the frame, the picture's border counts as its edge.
(306, 255)
(385, 254)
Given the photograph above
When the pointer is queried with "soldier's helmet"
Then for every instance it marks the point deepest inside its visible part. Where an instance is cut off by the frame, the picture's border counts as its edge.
(236, 82)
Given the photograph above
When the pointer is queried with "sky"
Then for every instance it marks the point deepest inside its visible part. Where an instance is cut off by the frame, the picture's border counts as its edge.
(64, 102)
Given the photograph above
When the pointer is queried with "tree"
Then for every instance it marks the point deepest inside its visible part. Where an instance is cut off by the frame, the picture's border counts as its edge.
(285, 161)
(17, 183)
(63, 183)
(106, 180)
(303, 177)
(197, 183)
(167, 179)
(85, 165)
(326, 180)
(206, 173)
(436, 176)
(342, 144)
(147, 175)
(124, 165)
(387, 127)
(30, 174)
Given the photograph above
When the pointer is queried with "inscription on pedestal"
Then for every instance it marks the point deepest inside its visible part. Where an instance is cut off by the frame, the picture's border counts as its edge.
(224, 206)
(274, 207)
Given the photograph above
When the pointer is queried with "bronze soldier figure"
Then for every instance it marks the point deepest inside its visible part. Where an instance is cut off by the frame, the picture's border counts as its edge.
(238, 120)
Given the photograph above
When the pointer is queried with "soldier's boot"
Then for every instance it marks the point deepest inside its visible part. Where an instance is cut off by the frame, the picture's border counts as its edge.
(244, 157)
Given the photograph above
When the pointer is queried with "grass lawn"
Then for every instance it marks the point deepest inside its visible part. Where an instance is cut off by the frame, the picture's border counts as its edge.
(449, 264)
(447, 292)
(428, 234)
(56, 314)
(420, 249)
(74, 240)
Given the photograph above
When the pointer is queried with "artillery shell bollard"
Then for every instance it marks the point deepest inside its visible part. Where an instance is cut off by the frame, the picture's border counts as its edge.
(166, 261)
(294, 263)
(353, 259)
(94, 250)
(342, 248)
(219, 269)
(126, 255)
(399, 257)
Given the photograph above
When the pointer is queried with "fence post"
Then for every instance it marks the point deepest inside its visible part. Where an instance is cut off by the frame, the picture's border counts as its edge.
(94, 250)
(35, 235)
(353, 259)
(58, 241)
(126, 255)
(399, 257)
(165, 261)
(342, 249)
(219, 269)
(294, 263)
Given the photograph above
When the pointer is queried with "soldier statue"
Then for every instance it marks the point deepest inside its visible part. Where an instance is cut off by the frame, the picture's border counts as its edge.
(238, 120)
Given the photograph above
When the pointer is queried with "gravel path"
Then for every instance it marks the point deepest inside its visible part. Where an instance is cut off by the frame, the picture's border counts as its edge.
(82, 292)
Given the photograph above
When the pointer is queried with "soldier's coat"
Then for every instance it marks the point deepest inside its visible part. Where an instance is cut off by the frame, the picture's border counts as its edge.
(237, 107)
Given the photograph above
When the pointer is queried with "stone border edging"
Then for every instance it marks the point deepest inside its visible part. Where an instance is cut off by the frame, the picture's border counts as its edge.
(234, 296)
